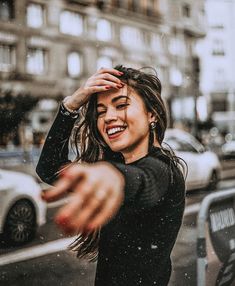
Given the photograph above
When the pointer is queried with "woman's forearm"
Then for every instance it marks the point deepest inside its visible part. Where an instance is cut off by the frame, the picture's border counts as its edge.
(55, 150)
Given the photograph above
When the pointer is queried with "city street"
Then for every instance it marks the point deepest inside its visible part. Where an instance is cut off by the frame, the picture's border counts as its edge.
(45, 261)
(167, 68)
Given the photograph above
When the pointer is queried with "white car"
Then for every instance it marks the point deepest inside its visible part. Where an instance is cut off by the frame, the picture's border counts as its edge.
(21, 207)
(204, 167)
(228, 150)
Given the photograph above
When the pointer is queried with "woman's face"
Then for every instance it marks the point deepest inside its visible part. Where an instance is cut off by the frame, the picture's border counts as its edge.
(123, 121)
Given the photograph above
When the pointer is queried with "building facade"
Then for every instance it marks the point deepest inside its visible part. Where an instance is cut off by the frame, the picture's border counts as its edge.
(48, 48)
(217, 54)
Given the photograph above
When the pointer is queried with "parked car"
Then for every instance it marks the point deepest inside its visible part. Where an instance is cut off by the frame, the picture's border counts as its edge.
(228, 150)
(21, 207)
(204, 167)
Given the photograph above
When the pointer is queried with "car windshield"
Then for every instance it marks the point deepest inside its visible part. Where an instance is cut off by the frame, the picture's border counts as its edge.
(178, 144)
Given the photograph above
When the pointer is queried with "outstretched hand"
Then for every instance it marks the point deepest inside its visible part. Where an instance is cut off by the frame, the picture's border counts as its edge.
(95, 191)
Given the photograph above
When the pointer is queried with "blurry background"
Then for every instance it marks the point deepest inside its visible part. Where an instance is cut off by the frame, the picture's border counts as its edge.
(47, 49)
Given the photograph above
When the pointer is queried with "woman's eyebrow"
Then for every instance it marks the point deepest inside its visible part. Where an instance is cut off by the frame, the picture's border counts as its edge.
(119, 97)
(114, 100)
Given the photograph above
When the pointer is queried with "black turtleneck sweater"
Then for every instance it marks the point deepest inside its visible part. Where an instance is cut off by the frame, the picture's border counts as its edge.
(135, 246)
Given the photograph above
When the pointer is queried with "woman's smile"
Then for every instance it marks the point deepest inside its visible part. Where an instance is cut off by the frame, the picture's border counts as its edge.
(115, 131)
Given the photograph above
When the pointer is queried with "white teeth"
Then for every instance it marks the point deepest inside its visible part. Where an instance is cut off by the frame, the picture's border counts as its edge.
(114, 130)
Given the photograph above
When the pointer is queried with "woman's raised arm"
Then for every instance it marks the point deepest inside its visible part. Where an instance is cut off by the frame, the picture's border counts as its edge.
(55, 151)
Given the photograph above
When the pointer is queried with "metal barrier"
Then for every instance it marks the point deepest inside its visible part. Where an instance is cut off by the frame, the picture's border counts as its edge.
(217, 224)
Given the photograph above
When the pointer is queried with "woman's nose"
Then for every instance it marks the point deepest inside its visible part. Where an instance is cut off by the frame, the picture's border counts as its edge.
(111, 114)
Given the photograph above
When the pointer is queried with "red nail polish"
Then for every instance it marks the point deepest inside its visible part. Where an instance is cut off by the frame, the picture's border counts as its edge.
(107, 87)
(61, 220)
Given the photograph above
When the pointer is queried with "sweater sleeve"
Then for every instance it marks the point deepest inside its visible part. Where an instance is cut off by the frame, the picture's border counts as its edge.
(54, 154)
(146, 183)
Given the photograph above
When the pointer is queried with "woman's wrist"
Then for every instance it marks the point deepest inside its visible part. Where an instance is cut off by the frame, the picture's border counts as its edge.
(68, 103)
(67, 110)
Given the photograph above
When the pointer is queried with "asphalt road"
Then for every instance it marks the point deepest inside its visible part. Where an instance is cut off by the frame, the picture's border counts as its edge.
(45, 261)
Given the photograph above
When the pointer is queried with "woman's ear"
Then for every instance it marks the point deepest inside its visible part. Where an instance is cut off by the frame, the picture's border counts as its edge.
(151, 117)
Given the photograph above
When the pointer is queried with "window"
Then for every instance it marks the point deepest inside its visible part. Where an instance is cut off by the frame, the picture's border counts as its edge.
(131, 36)
(35, 15)
(176, 77)
(220, 76)
(151, 8)
(71, 23)
(186, 10)
(218, 47)
(74, 64)
(156, 43)
(6, 9)
(120, 3)
(103, 30)
(135, 5)
(218, 27)
(214, 18)
(36, 61)
(177, 47)
(7, 58)
(219, 105)
(104, 62)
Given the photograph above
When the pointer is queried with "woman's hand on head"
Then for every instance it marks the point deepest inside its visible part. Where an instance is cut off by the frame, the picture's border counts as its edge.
(96, 192)
(103, 80)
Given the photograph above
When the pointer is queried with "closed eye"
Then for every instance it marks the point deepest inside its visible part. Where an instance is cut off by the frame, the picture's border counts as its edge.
(120, 106)
(99, 113)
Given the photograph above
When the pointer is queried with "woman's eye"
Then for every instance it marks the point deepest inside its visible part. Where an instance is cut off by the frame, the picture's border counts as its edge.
(99, 113)
(120, 106)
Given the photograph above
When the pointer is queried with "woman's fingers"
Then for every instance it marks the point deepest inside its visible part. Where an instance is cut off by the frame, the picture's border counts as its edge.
(103, 82)
(93, 200)
(97, 88)
(80, 217)
(88, 211)
(68, 179)
(108, 210)
(109, 70)
(57, 192)
(64, 217)
(109, 77)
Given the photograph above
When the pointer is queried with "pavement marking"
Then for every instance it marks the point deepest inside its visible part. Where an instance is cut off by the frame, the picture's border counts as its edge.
(36, 251)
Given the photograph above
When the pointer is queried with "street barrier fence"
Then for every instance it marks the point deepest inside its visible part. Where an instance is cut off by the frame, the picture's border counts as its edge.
(216, 226)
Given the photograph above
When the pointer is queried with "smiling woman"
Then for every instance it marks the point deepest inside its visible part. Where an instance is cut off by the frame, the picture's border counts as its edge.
(127, 193)
(123, 122)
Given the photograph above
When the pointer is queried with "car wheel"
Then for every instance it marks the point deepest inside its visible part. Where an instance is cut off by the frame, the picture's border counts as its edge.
(20, 224)
(213, 181)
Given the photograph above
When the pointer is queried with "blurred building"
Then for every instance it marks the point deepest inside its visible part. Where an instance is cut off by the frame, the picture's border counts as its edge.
(187, 22)
(217, 54)
(47, 48)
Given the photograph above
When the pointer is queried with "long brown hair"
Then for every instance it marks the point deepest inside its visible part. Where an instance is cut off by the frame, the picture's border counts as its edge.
(87, 141)
(90, 147)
